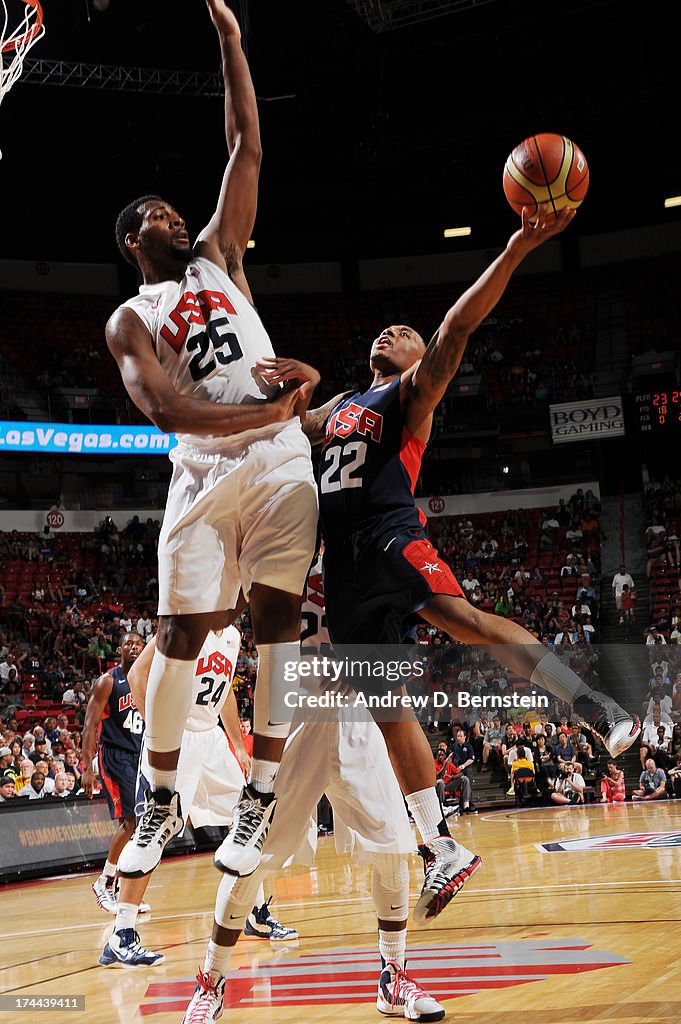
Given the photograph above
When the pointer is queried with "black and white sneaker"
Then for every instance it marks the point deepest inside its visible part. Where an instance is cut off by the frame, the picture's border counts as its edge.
(261, 925)
(240, 852)
(611, 723)
(160, 820)
(447, 865)
(124, 950)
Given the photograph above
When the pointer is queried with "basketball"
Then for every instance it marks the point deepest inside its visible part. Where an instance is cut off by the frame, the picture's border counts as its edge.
(546, 169)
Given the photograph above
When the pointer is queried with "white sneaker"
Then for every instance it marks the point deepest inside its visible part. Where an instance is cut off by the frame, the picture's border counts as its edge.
(448, 865)
(107, 896)
(124, 950)
(160, 820)
(240, 852)
(206, 1004)
(604, 717)
(451, 809)
(400, 996)
(144, 908)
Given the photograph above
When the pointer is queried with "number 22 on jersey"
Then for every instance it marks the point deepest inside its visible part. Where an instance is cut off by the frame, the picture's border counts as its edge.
(342, 466)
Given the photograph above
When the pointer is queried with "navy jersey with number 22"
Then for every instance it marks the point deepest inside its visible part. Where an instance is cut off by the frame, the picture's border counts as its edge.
(379, 566)
(121, 724)
(370, 463)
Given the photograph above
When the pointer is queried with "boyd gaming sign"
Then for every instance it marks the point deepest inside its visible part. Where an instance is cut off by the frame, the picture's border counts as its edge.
(592, 420)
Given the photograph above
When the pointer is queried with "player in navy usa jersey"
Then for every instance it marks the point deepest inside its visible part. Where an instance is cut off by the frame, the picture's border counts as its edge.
(113, 722)
(380, 567)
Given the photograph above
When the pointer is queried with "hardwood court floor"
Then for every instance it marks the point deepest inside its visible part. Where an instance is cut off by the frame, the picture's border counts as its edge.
(588, 935)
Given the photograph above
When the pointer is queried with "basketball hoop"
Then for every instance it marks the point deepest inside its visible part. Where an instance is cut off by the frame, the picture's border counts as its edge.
(15, 45)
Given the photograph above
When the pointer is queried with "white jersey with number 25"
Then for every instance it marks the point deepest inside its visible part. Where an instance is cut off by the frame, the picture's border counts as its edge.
(207, 337)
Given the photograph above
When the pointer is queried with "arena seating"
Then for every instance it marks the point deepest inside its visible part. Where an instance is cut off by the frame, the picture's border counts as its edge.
(543, 330)
(113, 584)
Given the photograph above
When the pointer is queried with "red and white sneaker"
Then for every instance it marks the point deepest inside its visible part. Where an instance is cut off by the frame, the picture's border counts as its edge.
(447, 865)
(106, 893)
(206, 1004)
(400, 996)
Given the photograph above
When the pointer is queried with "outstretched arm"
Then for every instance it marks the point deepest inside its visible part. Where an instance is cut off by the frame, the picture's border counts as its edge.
(429, 381)
(225, 237)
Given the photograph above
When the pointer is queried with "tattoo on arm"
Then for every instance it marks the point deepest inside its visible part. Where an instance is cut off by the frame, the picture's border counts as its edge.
(315, 419)
(442, 357)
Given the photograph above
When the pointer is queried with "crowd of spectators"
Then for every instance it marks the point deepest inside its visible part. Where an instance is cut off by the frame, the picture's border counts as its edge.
(548, 761)
(663, 548)
(534, 759)
(530, 371)
(87, 590)
(540, 571)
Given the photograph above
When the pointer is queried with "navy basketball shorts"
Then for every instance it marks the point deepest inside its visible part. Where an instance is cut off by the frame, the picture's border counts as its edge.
(373, 581)
(118, 772)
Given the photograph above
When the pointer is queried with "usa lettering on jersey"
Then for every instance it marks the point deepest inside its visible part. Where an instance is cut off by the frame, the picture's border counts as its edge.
(216, 663)
(126, 702)
(352, 419)
(193, 308)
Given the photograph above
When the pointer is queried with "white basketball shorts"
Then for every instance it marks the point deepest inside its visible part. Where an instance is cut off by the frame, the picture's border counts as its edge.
(246, 515)
(209, 777)
(349, 762)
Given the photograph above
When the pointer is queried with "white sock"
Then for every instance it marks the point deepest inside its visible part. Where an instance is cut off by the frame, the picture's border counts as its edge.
(160, 779)
(260, 897)
(392, 946)
(126, 916)
(109, 870)
(217, 959)
(552, 675)
(427, 813)
(169, 695)
(263, 774)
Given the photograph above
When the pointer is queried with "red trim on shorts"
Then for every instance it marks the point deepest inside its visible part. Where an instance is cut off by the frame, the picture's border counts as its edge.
(112, 788)
(425, 559)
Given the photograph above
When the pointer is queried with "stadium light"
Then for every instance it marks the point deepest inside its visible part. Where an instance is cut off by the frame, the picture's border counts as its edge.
(456, 232)
(250, 244)
(672, 201)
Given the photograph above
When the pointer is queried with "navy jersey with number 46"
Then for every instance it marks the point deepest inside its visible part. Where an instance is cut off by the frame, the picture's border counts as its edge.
(121, 724)
(370, 464)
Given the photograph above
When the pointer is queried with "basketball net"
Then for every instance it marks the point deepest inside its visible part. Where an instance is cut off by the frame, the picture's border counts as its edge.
(15, 44)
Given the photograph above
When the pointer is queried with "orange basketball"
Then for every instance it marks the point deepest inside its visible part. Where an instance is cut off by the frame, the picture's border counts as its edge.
(546, 169)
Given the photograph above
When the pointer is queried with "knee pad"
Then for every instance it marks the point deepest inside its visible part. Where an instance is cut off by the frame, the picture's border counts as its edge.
(390, 886)
(271, 716)
(235, 899)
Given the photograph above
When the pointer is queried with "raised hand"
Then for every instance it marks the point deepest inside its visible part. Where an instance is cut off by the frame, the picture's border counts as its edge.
(277, 370)
(223, 18)
(539, 227)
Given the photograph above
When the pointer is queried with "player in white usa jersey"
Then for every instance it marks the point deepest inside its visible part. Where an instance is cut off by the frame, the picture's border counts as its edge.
(348, 760)
(209, 780)
(242, 505)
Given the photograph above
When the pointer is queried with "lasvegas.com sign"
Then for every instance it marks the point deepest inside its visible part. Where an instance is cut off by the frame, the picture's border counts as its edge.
(594, 419)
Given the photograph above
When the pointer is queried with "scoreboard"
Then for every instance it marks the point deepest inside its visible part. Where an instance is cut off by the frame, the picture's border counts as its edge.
(659, 409)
